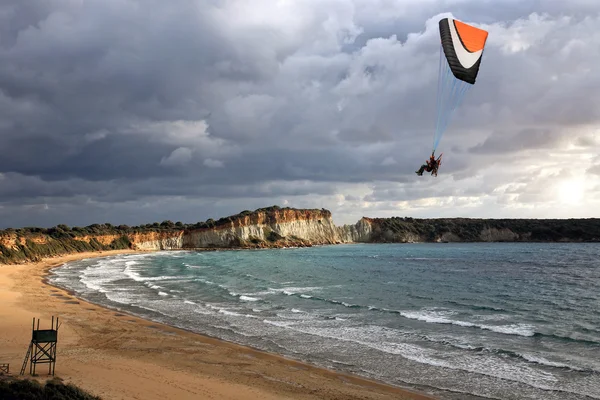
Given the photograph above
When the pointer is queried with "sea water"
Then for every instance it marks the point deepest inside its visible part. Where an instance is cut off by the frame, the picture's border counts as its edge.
(460, 321)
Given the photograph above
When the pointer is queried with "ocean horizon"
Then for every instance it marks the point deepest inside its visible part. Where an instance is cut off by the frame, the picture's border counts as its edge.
(456, 320)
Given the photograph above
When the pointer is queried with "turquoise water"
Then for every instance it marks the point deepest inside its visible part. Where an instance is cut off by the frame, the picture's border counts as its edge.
(461, 321)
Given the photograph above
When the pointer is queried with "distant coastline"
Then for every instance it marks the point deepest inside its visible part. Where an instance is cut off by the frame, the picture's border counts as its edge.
(276, 227)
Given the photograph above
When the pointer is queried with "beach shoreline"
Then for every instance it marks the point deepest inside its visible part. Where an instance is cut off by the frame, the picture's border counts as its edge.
(114, 354)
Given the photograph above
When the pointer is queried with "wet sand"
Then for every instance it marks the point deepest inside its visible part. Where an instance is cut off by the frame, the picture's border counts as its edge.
(118, 356)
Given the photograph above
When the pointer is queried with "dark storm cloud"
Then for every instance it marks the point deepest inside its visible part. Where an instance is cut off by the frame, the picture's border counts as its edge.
(103, 159)
(109, 104)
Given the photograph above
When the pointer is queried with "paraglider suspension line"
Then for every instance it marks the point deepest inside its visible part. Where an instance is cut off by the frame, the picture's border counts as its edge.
(451, 92)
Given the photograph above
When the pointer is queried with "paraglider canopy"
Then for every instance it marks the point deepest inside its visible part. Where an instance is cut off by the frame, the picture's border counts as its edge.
(461, 50)
(463, 47)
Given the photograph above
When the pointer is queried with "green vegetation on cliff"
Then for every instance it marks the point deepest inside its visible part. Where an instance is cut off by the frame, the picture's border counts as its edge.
(33, 244)
(398, 229)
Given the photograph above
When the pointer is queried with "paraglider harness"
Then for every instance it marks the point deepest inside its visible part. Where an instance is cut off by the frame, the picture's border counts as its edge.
(431, 165)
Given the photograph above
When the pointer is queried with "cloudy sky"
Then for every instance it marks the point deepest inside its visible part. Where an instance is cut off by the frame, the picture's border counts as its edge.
(135, 111)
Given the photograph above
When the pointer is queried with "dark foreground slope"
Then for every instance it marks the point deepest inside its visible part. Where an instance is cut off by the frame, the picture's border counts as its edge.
(54, 389)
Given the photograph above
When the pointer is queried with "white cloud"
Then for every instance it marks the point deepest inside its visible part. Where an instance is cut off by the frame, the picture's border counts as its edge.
(179, 156)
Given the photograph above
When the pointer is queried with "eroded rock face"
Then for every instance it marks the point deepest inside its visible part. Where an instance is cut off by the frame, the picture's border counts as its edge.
(157, 240)
(262, 229)
(279, 228)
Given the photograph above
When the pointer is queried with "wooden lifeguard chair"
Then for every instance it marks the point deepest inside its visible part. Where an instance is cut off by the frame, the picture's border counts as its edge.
(42, 349)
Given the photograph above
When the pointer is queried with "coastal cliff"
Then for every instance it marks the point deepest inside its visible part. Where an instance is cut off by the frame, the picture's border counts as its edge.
(274, 227)
(411, 230)
(270, 227)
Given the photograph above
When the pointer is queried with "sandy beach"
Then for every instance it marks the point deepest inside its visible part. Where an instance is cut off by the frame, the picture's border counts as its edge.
(118, 356)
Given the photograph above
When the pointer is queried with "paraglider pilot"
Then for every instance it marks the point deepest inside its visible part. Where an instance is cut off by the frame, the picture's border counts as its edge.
(430, 165)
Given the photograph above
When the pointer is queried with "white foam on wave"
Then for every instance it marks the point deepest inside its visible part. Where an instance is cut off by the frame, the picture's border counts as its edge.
(165, 278)
(98, 275)
(119, 297)
(513, 329)
(234, 313)
(92, 285)
(389, 341)
(290, 291)
(494, 317)
(280, 324)
(196, 266)
(130, 273)
(218, 309)
(155, 287)
(345, 304)
(227, 312)
(543, 361)
(134, 275)
(162, 294)
(264, 292)
(241, 296)
(439, 317)
(248, 298)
